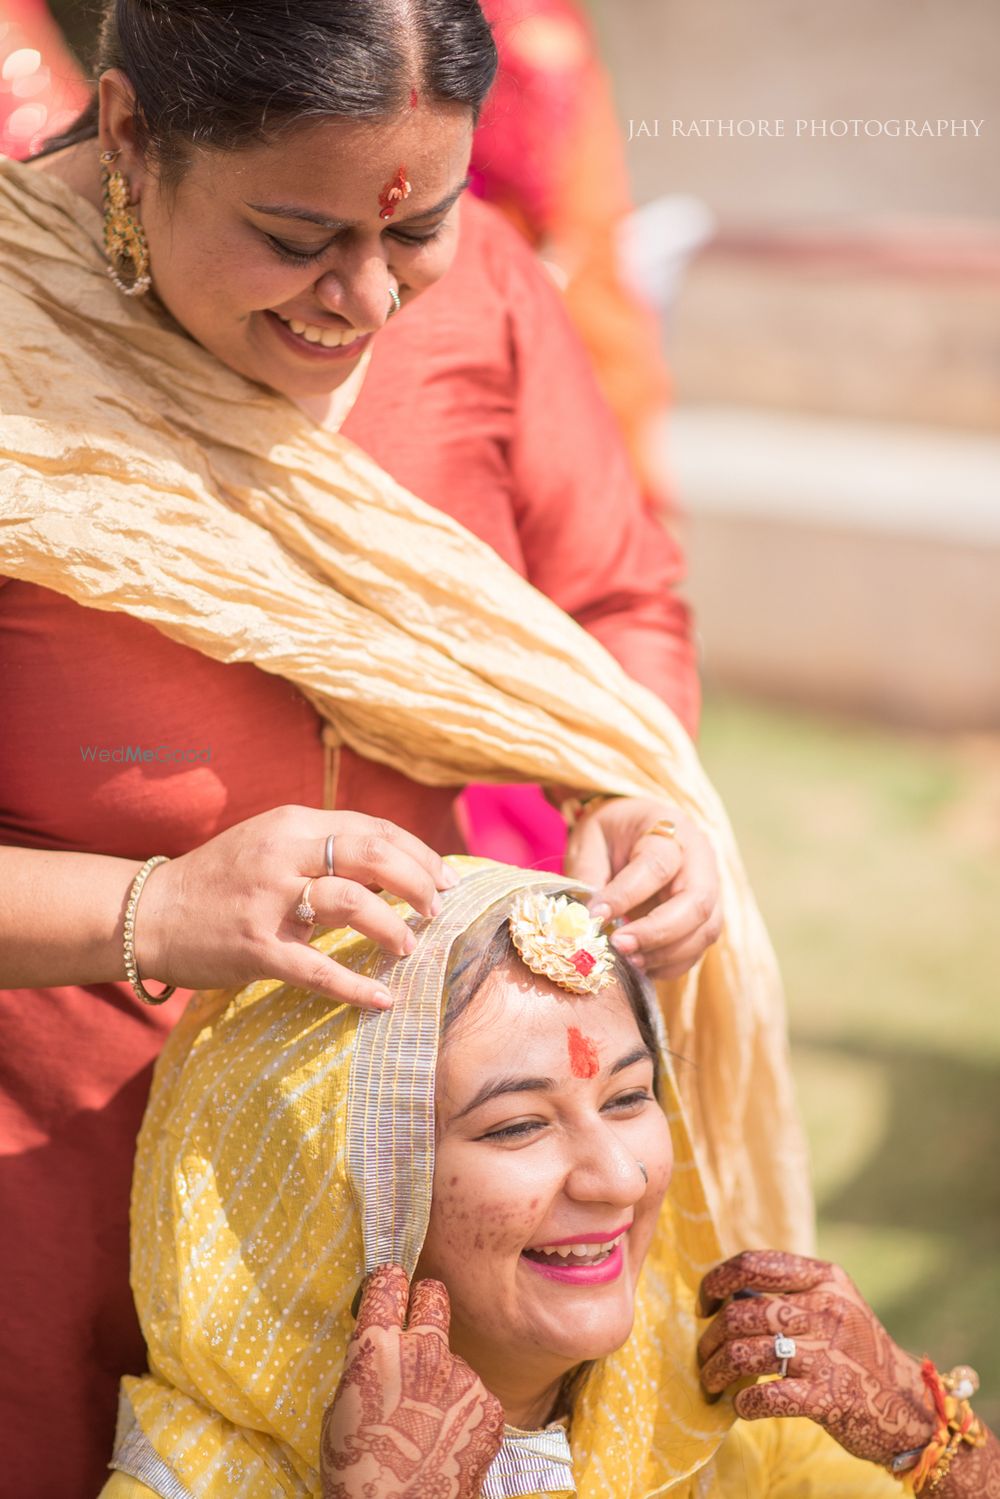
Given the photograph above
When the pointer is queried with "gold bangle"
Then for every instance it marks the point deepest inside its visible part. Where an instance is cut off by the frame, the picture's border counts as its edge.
(131, 968)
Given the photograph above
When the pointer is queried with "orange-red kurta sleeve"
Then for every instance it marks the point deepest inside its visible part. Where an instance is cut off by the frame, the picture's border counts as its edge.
(589, 540)
(481, 400)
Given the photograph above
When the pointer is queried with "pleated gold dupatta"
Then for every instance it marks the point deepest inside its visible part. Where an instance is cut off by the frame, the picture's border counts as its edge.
(140, 475)
(288, 1147)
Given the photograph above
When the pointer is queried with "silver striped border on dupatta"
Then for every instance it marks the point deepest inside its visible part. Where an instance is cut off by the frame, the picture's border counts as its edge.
(390, 1133)
(136, 1456)
(531, 1462)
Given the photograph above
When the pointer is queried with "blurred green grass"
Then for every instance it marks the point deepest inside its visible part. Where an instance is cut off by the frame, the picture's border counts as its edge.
(875, 857)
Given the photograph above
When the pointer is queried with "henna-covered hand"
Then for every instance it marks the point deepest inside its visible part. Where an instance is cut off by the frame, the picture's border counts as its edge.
(847, 1374)
(410, 1420)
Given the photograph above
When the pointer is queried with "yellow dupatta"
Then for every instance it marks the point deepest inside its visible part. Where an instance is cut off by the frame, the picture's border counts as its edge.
(288, 1147)
(141, 475)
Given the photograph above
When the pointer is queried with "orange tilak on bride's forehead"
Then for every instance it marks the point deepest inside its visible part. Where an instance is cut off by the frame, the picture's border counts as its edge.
(583, 1060)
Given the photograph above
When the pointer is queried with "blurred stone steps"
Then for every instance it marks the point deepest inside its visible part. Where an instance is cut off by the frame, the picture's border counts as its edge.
(897, 322)
(845, 564)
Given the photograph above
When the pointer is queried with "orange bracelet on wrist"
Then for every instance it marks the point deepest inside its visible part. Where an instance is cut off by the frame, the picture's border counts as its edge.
(955, 1426)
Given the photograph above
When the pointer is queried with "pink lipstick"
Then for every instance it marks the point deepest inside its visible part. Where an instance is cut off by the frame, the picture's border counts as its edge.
(580, 1273)
(588, 1259)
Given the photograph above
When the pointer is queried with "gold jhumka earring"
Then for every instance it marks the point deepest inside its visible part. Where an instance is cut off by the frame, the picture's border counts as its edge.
(124, 237)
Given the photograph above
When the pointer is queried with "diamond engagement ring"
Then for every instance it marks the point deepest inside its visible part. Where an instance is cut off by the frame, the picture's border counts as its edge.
(304, 910)
(784, 1349)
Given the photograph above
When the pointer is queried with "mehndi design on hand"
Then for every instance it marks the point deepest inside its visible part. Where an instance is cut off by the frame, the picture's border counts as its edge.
(847, 1374)
(410, 1419)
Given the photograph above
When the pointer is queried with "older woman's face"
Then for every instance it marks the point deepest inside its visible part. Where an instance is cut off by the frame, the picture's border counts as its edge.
(541, 1217)
(276, 258)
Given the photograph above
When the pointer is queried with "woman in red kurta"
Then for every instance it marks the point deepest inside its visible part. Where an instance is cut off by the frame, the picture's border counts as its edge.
(480, 401)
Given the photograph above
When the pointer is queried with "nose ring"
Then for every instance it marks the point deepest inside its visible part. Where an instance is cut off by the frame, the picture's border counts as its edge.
(395, 303)
(645, 1173)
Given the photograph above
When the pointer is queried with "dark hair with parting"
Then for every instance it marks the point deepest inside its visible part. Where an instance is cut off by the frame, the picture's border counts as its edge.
(221, 74)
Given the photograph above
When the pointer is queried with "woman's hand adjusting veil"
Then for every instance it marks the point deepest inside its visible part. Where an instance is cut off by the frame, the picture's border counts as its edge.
(224, 914)
(668, 886)
(409, 1418)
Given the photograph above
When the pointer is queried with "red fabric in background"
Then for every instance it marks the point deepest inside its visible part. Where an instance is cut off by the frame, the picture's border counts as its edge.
(480, 400)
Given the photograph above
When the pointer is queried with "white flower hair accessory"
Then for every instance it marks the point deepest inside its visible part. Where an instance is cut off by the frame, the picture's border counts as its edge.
(557, 938)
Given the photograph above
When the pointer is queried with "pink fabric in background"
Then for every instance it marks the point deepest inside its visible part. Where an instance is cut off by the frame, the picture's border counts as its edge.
(41, 88)
(514, 824)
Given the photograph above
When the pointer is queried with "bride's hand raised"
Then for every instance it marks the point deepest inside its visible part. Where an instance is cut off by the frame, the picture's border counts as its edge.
(666, 883)
(224, 914)
(409, 1417)
(842, 1369)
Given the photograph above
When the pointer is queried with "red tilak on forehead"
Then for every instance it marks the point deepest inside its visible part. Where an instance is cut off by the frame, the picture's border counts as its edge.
(414, 98)
(582, 1054)
(393, 194)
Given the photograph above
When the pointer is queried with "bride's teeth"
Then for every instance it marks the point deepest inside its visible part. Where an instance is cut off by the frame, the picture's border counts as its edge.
(296, 325)
(312, 335)
(330, 338)
(580, 1251)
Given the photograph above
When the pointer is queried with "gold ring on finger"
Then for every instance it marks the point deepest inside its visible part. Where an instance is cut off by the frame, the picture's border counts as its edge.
(304, 911)
(664, 828)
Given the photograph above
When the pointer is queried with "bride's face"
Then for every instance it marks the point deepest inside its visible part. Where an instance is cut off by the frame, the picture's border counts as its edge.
(541, 1216)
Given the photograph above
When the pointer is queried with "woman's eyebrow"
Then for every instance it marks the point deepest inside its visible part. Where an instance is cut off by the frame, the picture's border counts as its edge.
(505, 1085)
(639, 1054)
(309, 215)
(509, 1084)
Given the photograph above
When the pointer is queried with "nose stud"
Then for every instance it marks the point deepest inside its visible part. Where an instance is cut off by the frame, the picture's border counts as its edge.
(645, 1173)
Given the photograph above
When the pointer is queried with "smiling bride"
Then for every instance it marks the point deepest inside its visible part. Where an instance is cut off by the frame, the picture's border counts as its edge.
(509, 1134)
